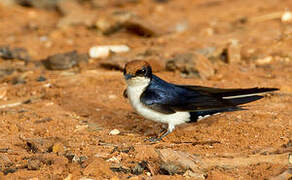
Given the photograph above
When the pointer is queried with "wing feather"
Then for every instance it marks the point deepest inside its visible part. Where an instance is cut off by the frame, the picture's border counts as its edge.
(169, 98)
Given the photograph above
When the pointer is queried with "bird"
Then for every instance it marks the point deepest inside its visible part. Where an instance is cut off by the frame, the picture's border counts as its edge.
(173, 104)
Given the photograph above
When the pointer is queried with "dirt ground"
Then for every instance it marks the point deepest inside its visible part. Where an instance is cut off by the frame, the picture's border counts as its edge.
(56, 124)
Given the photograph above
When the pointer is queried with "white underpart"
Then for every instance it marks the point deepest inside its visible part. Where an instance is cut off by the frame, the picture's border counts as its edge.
(206, 116)
(136, 87)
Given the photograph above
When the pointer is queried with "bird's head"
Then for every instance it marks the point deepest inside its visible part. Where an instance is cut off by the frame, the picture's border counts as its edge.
(137, 73)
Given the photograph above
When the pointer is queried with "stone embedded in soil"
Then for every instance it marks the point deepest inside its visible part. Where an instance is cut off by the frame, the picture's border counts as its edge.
(139, 167)
(75, 14)
(64, 61)
(120, 168)
(5, 72)
(232, 53)
(123, 149)
(42, 145)
(108, 25)
(100, 4)
(43, 4)
(140, 28)
(286, 175)
(114, 132)
(98, 168)
(288, 145)
(69, 177)
(34, 164)
(171, 169)
(214, 175)
(191, 65)
(125, 21)
(9, 170)
(82, 160)
(5, 162)
(43, 120)
(117, 62)
(264, 61)
(191, 174)
(86, 178)
(58, 148)
(178, 162)
(38, 161)
(7, 53)
(41, 79)
(207, 52)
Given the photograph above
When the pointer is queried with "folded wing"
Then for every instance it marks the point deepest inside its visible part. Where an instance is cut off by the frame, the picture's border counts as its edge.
(169, 98)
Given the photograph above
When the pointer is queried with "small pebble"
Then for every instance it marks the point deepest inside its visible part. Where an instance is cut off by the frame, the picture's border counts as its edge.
(69, 177)
(104, 51)
(112, 96)
(114, 132)
(286, 17)
(265, 60)
(85, 178)
(41, 79)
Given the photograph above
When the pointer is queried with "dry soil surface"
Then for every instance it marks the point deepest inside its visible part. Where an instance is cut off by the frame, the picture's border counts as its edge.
(56, 124)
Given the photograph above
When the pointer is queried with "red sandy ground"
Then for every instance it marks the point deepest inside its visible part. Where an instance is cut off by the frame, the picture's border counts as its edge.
(84, 106)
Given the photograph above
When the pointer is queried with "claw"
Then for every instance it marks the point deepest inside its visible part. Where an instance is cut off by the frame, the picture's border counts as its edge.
(153, 139)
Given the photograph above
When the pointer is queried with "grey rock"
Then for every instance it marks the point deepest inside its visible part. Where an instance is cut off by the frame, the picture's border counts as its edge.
(64, 61)
(75, 14)
(231, 53)
(191, 65)
(171, 169)
(5, 161)
(178, 162)
(42, 4)
(114, 62)
(207, 52)
(126, 21)
(120, 168)
(9, 170)
(139, 167)
(34, 164)
(17, 53)
(140, 28)
(5, 72)
(40, 145)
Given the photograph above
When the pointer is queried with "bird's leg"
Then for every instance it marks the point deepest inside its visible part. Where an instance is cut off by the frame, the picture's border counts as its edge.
(163, 129)
(169, 130)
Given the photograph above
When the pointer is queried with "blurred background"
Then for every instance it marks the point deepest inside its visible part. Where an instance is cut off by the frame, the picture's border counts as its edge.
(62, 110)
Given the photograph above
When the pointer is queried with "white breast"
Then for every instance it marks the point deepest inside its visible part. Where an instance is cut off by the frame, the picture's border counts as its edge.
(134, 93)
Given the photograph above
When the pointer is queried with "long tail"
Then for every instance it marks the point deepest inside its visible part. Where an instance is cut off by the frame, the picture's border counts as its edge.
(234, 96)
(243, 96)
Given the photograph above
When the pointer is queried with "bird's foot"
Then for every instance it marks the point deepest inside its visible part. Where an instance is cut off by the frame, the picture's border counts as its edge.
(153, 139)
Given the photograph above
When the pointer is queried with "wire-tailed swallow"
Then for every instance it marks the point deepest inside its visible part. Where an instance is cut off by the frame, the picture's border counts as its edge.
(160, 101)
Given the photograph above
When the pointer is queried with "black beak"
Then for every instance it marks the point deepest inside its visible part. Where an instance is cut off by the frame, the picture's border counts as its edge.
(128, 76)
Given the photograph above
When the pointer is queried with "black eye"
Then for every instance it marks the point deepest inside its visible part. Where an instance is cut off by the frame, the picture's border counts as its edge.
(125, 71)
(140, 72)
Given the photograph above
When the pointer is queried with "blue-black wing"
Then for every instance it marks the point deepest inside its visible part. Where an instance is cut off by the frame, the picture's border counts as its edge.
(169, 98)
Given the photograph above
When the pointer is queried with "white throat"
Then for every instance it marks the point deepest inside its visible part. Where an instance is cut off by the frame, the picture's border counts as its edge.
(138, 82)
(136, 87)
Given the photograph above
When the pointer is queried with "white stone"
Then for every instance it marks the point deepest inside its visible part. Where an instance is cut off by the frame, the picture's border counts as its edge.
(286, 17)
(85, 178)
(265, 60)
(104, 51)
(114, 132)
